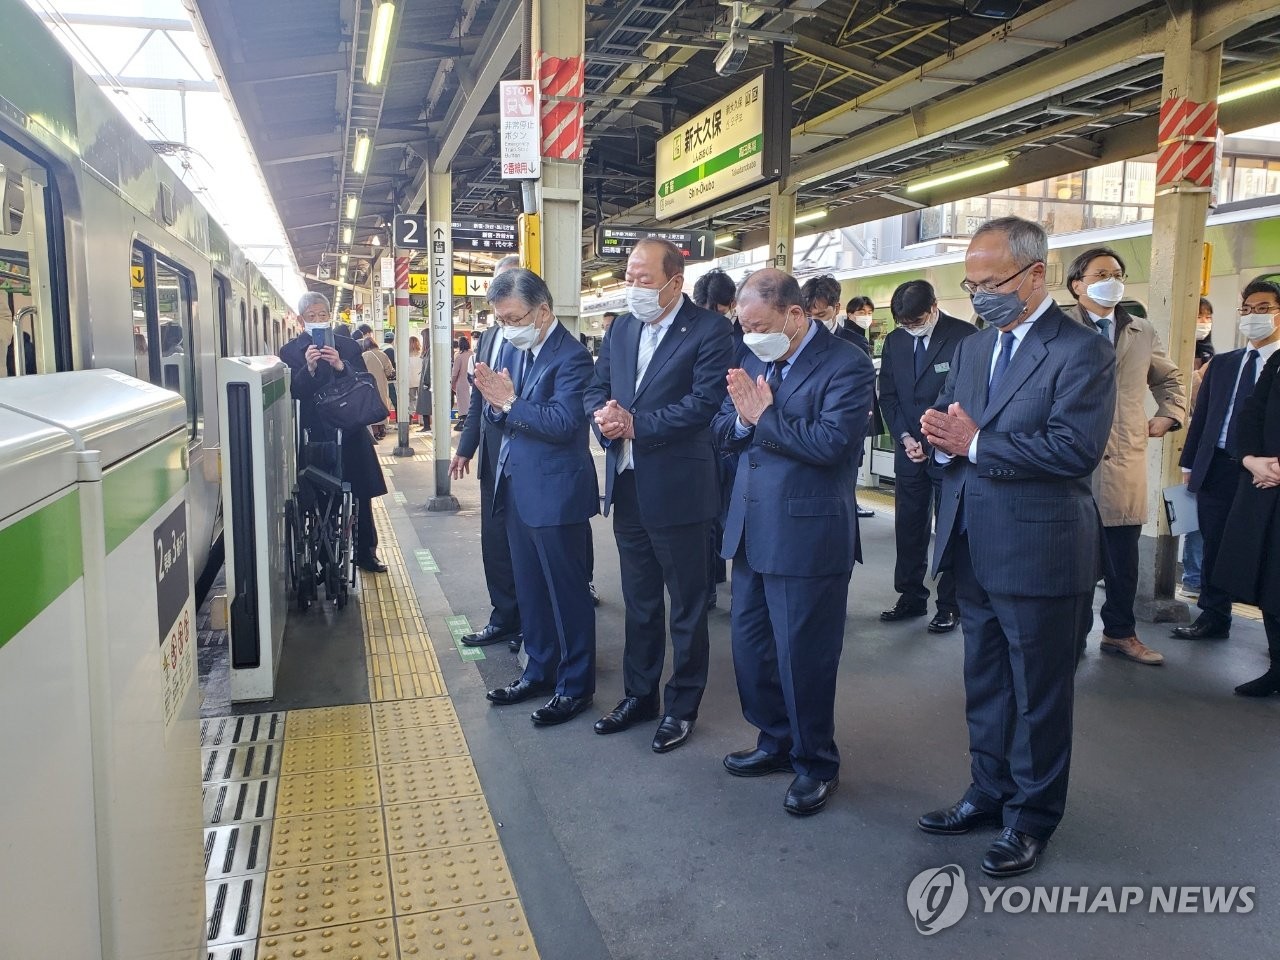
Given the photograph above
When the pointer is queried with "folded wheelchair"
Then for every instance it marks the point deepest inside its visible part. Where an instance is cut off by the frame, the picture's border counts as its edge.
(319, 524)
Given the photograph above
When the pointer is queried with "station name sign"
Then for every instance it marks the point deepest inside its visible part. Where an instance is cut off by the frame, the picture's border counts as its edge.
(719, 152)
(616, 243)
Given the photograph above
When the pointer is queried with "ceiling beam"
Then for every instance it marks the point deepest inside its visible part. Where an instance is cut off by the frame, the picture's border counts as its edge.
(297, 149)
(286, 68)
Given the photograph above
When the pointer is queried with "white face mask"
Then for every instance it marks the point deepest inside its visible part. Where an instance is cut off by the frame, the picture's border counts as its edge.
(522, 338)
(1257, 326)
(1204, 329)
(643, 302)
(1106, 292)
(767, 346)
(923, 330)
(862, 319)
(833, 324)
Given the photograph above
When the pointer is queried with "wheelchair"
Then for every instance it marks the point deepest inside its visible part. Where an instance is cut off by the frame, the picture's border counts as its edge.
(320, 524)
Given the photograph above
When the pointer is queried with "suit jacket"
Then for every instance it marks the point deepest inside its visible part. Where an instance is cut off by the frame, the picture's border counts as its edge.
(1212, 401)
(677, 478)
(904, 397)
(852, 333)
(792, 501)
(548, 458)
(1032, 523)
(479, 432)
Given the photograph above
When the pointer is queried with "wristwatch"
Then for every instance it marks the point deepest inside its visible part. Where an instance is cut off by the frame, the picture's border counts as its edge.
(508, 403)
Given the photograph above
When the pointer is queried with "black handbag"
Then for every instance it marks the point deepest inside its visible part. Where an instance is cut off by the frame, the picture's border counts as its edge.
(351, 402)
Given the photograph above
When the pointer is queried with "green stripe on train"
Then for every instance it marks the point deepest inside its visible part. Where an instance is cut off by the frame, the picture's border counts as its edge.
(40, 556)
(133, 490)
(273, 391)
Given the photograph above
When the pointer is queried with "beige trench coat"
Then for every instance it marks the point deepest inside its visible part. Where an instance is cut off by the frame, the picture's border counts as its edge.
(379, 366)
(1142, 366)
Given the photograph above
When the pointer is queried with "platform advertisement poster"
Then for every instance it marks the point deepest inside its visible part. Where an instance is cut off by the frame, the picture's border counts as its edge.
(175, 615)
(717, 153)
(521, 130)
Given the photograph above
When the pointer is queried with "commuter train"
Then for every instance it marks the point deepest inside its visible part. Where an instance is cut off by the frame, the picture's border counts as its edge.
(107, 259)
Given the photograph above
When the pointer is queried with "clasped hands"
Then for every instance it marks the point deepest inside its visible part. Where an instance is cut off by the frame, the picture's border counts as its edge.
(951, 432)
(1264, 470)
(494, 386)
(615, 422)
(751, 398)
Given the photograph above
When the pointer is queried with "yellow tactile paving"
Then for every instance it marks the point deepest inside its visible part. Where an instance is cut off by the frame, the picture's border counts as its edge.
(396, 714)
(421, 743)
(328, 837)
(444, 879)
(308, 793)
(309, 754)
(439, 823)
(329, 721)
(354, 941)
(321, 895)
(428, 780)
(495, 930)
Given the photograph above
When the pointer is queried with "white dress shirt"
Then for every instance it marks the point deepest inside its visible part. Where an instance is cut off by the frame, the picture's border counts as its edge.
(644, 357)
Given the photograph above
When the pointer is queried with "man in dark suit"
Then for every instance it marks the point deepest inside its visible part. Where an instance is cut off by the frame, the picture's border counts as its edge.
(545, 481)
(913, 368)
(796, 416)
(1020, 427)
(658, 383)
(1211, 458)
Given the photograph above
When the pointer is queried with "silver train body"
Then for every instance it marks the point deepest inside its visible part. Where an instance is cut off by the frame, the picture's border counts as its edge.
(107, 259)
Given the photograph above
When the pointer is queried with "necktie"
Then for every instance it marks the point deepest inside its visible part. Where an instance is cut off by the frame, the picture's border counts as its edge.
(1104, 327)
(649, 335)
(1244, 389)
(774, 380)
(920, 352)
(1002, 361)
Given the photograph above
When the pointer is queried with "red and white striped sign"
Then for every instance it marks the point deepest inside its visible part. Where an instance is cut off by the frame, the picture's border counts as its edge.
(402, 282)
(1188, 142)
(561, 119)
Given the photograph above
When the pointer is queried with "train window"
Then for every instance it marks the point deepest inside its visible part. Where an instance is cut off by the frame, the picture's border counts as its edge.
(257, 333)
(164, 345)
(268, 332)
(27, 308)
(222, 297)
(244, 329)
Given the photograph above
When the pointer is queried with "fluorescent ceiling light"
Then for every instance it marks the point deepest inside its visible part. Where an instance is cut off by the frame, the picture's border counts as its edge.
(353, 204)
(1250, 89)
(603, 275)
(725, 240)
(379, 40)
(958, 175)
(811, 216)
(375, 241)
(346, 234)
(361, 158)
(345, 258)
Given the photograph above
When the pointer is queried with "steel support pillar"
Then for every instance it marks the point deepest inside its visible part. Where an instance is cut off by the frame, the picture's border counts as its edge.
(782, 226)
(439, 226)
(400, 314)
(1177, 250)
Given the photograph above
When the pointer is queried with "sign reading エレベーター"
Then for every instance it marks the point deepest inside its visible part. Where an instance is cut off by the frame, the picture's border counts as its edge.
(717, 153)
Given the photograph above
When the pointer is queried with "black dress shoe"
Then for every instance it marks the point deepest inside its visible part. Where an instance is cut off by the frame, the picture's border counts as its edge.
(944, 622)
(517, 691)
(515, 642)
(491, 634)
(1012, 853)
(1203, 629)
(864, 512)
(1264, 686)
(371, 563)
(958, 818)
(904, 610)
(671, 733)
(757, 763)
(558, 710)
(808, 795)
(628, 712)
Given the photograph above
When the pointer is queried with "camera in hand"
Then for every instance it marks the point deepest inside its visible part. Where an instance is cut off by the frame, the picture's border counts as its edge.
(321, 335)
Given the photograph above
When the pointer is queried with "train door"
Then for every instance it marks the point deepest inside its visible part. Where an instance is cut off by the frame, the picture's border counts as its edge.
(222, 300)
(34, 329)
(257, 333)
(244, 329)
(164, 342)
(268, 332)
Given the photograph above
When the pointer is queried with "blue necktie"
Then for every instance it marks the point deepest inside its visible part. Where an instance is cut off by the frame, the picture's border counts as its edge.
(920, 352)
(1244, 389)
(1002, 361)
(1104, 325)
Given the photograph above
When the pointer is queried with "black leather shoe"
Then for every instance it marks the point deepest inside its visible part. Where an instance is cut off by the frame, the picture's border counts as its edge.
(1264, 686)
(628, 712)
(517, 691)
(864, 512)
(807, 795)
(757, 763)
(515, 643)
(958, 818)
(595, 597)
(1202, 629)
(1012, 853)
(671, 733)
(558, 710)
(371, 563)
(944, 622)
(491, 634)
(904, 610)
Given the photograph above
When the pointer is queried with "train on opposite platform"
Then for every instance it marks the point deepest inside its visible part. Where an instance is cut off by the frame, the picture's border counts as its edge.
(107, 259)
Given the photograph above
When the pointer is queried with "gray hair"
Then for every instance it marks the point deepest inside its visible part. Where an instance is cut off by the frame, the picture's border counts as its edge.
(779, 290)
(506, 263)
(525, 285)
(1028, 243)
(310, 299)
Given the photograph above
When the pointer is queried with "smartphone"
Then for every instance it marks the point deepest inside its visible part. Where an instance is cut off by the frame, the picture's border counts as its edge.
(321, 335)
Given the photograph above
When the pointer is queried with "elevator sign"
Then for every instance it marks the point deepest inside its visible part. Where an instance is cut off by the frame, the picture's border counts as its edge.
(520, 121)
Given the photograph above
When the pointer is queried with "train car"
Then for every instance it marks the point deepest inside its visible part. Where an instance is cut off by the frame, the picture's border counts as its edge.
(108, 260)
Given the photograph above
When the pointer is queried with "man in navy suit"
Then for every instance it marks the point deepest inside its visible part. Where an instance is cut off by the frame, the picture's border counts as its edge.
(1211, 459)
(913, 368)
(658, 383)
(1020, 427)
(546, 484)
(796, 417)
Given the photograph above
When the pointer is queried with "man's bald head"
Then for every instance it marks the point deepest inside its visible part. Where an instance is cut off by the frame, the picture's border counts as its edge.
(775, 288)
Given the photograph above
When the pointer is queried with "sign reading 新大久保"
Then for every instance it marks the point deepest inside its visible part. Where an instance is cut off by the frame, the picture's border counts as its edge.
(716, 153)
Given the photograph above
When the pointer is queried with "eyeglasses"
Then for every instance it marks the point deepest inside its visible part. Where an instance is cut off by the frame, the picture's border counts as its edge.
(1259, 308)
(993, 287)
(1100, 275)
(507, 322)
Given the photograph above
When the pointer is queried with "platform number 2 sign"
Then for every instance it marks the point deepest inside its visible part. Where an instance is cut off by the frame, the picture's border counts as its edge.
(410, 231)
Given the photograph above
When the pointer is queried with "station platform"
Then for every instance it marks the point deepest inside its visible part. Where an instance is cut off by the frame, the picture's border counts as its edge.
(381, 807)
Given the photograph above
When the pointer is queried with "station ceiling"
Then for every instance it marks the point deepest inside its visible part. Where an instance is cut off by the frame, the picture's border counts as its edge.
(882, 92)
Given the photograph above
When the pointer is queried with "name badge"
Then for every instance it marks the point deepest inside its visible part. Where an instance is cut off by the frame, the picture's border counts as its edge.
(942, 367)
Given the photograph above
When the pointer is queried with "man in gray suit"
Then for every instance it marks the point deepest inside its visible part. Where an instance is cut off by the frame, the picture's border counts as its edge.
(1019, 427)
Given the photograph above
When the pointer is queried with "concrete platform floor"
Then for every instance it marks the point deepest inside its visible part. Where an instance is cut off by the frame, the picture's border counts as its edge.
(622, 853)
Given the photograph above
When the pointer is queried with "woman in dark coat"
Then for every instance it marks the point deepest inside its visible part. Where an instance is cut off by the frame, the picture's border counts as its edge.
(312, 369)
(1252, 537)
